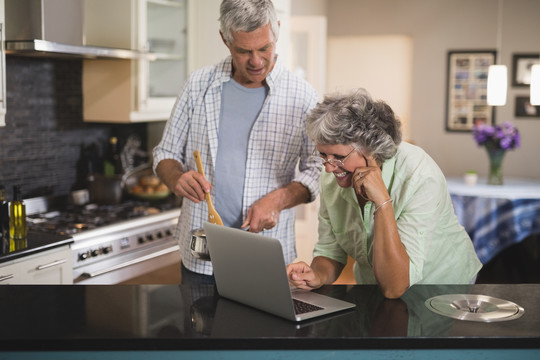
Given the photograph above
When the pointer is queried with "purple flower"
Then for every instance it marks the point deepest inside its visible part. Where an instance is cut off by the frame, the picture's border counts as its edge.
(505, 136)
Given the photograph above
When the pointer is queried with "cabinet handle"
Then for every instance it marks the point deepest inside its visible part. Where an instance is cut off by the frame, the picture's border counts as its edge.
(6, 277)
(54, 263)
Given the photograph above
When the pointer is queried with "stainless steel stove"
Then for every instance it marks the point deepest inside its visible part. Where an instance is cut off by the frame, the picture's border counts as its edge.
(113, 243)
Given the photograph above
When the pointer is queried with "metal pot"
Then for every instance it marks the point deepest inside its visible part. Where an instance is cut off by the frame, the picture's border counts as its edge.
(105, 190)
(108, 190)
(198, 245)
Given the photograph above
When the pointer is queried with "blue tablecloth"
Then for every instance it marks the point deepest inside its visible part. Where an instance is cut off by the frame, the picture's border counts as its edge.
(496, 217)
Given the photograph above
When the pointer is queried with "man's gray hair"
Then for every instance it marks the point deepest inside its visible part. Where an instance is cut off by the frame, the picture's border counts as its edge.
(246, 16)
(356, 119)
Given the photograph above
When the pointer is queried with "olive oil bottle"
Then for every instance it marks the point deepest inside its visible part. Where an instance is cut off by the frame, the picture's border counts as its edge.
(17, 220)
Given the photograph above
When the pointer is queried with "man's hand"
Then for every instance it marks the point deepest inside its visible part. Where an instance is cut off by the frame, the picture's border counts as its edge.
(263, 215)
(192, 185)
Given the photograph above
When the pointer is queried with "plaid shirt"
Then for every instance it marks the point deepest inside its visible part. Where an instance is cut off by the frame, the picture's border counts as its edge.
(276, 144)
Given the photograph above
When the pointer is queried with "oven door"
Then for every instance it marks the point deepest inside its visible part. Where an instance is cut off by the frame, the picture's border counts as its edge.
(128, 265)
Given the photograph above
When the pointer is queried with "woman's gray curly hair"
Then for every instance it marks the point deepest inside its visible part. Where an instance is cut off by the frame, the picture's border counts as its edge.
(246, 16)
(358, 120)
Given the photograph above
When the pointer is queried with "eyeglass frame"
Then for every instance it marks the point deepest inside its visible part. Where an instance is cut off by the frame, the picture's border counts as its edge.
(333, 161)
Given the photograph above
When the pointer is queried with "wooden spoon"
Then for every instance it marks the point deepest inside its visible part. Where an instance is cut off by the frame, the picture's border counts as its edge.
(213, 216)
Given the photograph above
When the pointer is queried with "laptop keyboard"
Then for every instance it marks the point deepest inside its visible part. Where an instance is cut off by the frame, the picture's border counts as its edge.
(301, 307)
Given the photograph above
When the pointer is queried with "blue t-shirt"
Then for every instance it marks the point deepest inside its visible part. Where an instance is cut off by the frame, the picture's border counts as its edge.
(240, 107)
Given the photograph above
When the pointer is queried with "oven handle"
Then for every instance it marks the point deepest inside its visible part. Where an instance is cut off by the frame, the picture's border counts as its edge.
(131, 262)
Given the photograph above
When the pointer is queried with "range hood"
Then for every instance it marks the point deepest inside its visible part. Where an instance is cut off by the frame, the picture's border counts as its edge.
(50, 49)
(54, 28)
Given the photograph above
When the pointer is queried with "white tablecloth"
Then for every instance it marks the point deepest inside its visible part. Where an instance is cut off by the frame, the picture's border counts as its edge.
(496, 217)
(512, 189)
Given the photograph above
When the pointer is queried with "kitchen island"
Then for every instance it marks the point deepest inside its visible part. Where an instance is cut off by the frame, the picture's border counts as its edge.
(178, 321)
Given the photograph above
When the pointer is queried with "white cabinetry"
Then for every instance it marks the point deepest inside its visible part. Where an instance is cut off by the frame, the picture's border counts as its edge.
(2, 67)
(49, 267)
(142, 89)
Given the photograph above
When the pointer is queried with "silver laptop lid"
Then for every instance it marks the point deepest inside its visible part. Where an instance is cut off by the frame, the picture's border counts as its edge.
(250, 268)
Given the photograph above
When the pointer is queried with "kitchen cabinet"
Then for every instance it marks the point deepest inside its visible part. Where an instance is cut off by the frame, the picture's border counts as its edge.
(48, 267)
(142, 89)
(2, 67)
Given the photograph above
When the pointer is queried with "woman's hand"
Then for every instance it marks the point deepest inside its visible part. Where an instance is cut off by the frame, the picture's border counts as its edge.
(302, 276)
(368, 182)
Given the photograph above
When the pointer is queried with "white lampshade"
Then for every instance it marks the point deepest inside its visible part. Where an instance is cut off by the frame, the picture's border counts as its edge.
(497, 83)
(535, 84)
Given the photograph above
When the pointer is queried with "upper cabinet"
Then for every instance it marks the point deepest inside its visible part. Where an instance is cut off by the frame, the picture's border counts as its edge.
(143, 89)
(2, 67)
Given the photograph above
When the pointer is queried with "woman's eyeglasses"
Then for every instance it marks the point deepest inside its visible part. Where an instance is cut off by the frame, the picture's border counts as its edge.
(333, 161)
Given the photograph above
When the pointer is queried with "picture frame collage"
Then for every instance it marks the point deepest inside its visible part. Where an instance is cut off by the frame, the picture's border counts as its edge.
(466, 100)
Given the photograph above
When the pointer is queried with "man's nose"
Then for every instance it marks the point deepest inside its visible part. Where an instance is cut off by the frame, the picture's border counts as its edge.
(255, 59)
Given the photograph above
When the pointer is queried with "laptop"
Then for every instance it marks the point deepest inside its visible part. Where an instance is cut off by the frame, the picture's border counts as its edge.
(249, 268)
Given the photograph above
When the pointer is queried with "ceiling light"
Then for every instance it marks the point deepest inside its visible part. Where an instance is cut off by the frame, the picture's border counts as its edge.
(535, 84)
(497, 83)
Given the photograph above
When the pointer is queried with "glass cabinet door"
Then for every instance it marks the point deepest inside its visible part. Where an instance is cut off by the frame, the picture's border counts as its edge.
(163, 75)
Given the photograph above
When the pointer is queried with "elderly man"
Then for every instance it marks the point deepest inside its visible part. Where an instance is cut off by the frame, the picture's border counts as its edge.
(246, 115)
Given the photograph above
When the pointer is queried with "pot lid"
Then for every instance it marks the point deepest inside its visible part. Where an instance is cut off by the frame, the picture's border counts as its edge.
(474, 307)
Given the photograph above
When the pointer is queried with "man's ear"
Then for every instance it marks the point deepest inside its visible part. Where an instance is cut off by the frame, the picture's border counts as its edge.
(223, 39)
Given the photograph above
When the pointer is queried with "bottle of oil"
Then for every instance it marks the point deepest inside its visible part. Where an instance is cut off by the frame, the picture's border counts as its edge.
(17, 219)
(4, 221)
(112, 164)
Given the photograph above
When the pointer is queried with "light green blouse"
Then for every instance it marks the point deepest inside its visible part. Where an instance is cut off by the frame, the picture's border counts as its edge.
(440, 251)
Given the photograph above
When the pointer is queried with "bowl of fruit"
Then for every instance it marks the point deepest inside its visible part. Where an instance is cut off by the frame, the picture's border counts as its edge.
(143, 184)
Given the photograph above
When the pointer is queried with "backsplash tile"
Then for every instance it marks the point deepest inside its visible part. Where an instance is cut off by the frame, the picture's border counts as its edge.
(40, 144)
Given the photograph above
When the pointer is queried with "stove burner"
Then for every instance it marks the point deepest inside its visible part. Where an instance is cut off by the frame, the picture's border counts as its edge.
(73, 220)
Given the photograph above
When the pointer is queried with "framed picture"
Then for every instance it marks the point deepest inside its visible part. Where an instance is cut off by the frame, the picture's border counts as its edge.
(521, 68)
(466, 100)
(525, 109)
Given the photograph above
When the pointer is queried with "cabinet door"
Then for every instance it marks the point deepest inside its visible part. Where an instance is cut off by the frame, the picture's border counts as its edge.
(8, 273)
(163, 31)
(49, 267)
(138, 90)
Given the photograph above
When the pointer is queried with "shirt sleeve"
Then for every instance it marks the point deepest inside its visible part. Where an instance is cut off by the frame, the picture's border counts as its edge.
(174, 139)
(327, 245)
(308, 168)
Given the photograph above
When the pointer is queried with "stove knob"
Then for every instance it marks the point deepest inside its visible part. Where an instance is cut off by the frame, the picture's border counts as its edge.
(160, 235)
(95, 253)
(150, 237)
(106, 250)
(83, 256)
(140, 240)
(168, 232)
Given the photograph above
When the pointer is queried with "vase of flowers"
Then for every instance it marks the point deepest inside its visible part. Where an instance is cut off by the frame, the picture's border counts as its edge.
(496, 140)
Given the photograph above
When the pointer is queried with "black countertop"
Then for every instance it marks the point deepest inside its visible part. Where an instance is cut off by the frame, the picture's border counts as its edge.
(35, 242)
(178, 317)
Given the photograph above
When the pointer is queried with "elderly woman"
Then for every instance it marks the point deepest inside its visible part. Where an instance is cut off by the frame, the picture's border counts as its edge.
(383, 202)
